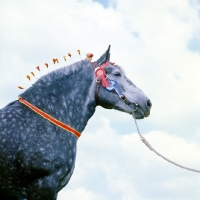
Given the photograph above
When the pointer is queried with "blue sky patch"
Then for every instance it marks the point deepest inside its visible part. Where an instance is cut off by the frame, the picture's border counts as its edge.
(105, 3)
(194, 44)
(135, 34)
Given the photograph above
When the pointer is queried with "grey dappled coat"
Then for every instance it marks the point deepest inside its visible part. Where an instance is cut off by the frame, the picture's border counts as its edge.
(35, 151)
(37, 158)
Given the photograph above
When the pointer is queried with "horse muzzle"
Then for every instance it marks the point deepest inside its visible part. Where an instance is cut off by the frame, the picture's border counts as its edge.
(140, 111)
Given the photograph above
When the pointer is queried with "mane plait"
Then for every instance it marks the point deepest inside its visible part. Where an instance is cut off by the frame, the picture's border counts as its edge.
(56, 65)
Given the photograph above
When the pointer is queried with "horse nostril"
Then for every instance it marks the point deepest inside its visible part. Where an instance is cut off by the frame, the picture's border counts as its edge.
(149, 104)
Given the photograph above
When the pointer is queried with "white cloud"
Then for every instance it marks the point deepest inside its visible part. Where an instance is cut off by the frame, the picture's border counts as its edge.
(127, 169)
(77, 194)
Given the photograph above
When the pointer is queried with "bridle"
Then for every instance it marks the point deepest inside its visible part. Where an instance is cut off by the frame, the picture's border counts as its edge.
(110, 85)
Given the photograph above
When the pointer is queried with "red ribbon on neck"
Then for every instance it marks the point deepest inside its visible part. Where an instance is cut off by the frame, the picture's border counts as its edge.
(51, 119)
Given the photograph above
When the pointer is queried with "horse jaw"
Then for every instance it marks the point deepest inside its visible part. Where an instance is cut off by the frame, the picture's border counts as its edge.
(140, 111)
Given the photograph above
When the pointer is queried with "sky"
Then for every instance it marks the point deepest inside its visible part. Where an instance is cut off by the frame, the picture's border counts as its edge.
(158, 45)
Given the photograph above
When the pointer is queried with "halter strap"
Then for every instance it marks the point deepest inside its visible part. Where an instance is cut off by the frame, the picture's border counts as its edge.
(49, 118)
(123, 97)
(95, 66)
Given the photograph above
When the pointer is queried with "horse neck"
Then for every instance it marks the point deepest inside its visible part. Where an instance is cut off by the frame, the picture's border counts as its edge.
(67, 97)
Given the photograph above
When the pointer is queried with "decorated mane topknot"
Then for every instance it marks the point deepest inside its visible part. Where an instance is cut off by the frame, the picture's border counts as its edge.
(56, 62)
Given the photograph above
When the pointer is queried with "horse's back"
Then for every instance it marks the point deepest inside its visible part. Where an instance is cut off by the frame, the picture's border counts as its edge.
(9, 143)
(10, 117)
(8, 123)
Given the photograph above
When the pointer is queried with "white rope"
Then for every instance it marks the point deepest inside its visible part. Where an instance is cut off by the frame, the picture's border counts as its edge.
(152, 149)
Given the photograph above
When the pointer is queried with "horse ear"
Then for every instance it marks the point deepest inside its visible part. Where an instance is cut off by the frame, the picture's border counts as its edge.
(105, 57)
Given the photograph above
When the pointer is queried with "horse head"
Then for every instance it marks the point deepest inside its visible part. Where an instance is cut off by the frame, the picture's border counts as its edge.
(115, 91)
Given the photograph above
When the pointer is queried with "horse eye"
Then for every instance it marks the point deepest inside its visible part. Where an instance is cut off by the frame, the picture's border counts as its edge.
(117, 74)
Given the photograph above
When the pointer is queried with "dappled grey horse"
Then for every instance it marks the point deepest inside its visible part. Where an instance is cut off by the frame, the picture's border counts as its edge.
(39, 132)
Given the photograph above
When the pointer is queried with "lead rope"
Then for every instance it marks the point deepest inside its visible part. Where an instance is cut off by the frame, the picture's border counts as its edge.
(152, 149)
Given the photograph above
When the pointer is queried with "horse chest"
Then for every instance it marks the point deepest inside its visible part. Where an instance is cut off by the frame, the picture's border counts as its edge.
(66, 170)
(64, 176)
